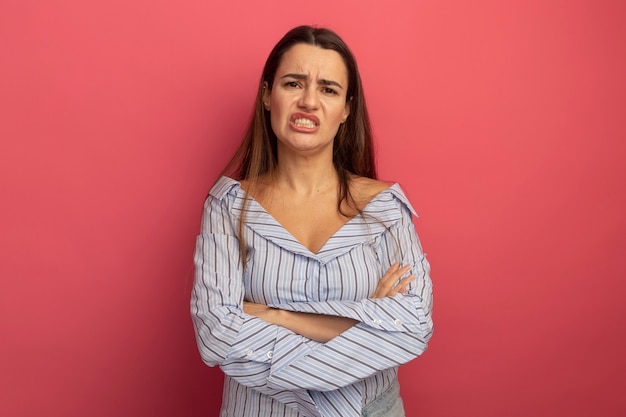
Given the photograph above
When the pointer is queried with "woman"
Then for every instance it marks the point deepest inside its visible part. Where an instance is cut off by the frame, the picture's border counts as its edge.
(311, 285)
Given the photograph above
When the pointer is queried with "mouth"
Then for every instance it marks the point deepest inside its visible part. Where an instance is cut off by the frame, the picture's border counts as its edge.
(304, 121)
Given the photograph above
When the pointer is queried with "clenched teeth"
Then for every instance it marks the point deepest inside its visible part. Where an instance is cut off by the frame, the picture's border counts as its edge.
(302, 122)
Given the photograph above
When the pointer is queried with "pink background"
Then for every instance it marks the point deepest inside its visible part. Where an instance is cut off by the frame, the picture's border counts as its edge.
(505, 121)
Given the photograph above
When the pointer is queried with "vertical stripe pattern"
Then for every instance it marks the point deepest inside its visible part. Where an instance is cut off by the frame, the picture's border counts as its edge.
(270, 371)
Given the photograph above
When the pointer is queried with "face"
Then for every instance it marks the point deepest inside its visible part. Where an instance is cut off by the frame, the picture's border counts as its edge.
(307, 102)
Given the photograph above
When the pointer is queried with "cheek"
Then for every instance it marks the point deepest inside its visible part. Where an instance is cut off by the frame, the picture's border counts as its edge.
(278, 105)
(275, 111)
(278, 116)
(275, 121)
(338, 113)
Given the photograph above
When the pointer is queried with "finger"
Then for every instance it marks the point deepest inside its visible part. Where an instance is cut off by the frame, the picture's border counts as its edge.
(403, 285)
(378, 292)
(389, 280)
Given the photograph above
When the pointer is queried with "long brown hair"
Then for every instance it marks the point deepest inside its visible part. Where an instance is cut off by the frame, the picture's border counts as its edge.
(353, 153)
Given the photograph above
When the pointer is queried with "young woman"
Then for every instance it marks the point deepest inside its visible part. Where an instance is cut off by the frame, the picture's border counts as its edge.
(311, 286)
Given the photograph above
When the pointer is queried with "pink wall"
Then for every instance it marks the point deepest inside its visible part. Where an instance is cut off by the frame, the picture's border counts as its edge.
(504, 120)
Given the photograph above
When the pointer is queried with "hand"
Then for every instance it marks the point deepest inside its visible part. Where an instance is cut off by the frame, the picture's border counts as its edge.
(392, 282)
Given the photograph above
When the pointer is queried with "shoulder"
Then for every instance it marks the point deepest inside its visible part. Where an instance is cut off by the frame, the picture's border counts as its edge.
(364, 189)
(378, 195)
(224, 187)
(220, 211)
(369, 185)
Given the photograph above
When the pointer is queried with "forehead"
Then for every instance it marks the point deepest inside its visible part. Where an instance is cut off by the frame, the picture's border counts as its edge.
(313, 61)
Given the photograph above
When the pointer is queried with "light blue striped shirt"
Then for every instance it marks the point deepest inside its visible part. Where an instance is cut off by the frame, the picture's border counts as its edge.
(271, 371)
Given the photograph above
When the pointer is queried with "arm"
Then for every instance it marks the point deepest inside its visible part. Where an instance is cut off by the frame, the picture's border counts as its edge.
(239, 343)
(324, 327)
(391, 330)
(319, 327)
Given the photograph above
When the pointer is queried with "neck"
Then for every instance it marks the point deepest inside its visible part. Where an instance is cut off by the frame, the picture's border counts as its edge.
(306, 176)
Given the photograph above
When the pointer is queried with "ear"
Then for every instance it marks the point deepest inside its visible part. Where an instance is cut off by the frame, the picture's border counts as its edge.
(346, 110)
(266, 95)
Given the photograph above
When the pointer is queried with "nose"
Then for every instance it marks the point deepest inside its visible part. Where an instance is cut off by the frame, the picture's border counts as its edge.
(309, 99)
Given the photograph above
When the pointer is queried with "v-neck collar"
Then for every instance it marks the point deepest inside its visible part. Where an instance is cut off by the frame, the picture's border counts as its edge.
(380, 213)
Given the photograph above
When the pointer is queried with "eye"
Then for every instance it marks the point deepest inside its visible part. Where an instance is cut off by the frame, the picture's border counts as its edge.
(330, 91)
(292, 84)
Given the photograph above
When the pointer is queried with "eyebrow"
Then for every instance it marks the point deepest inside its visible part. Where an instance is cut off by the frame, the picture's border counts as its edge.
(304, 78)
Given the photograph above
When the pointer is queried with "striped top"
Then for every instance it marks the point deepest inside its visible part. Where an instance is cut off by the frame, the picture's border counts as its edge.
(271, 371)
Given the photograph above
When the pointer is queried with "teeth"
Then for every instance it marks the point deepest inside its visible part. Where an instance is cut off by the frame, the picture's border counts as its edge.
(304, 122)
